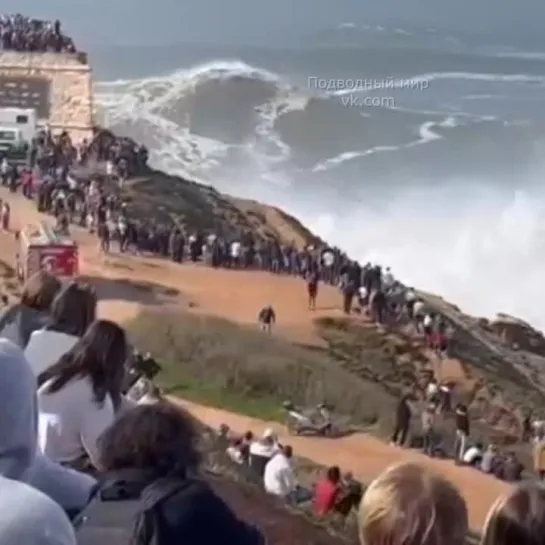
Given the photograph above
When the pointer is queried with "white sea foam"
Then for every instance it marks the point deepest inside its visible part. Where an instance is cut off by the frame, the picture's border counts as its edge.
(474, 245)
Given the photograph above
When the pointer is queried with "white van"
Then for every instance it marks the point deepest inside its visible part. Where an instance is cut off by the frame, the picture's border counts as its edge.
(22, 120)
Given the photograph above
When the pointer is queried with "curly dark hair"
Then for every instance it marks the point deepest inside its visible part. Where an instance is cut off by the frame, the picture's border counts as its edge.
(99, 355)
(159, 438)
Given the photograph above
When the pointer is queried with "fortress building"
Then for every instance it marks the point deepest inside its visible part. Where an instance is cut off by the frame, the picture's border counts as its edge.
(57, 85)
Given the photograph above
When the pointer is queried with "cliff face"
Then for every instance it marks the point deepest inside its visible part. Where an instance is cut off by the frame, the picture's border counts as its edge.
(166, 198)
(57, 85)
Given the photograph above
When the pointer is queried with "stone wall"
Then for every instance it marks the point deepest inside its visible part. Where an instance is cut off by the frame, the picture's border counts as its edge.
(69, 87)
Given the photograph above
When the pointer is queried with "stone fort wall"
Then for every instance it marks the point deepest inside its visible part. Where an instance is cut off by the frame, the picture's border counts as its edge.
(57, 85)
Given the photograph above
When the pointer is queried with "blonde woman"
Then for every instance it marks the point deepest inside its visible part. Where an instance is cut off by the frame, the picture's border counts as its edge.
(408, 505)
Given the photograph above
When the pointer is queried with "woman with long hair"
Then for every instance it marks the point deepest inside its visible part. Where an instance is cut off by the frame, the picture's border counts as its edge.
(19, 321)
(78, 396)
(153, 448)
(72, 311)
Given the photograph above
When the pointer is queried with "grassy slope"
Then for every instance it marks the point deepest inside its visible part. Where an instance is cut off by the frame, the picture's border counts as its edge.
(220, 363)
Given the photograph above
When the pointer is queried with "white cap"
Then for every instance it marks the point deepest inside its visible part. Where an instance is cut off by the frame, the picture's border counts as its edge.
(268, 433)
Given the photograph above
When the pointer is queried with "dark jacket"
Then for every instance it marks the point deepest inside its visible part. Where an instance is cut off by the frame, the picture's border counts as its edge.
(129, 508)
(462, 420)
(403, 413)
(18, 322)
(197, 516)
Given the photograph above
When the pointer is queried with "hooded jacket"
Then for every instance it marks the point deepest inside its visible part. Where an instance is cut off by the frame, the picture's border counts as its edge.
(20, 458)
(31, 518)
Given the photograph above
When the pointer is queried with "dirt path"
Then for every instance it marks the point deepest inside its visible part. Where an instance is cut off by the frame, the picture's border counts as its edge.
(365, 456)
(238, 296)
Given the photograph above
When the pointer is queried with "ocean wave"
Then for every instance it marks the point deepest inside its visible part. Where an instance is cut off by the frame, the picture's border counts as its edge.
(227, 113)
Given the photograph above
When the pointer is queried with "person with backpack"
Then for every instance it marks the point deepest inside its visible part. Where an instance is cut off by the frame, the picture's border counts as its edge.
(152, 491)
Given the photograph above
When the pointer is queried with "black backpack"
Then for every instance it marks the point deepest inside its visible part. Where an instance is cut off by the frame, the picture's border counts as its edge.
(123, 512)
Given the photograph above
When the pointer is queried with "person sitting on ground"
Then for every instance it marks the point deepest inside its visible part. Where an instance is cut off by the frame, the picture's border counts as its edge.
(352, 494)
(20, 458)
(512, 468)
(244, 448)
(234, 451)
(262, 450)
(223, 437)
(407, 504)
(267, 318)
(154, 447)
(473, 456)
(72, 311)
(19, 321)
(489, 459)
(279, 478)
(31, 518)
(327, 492)
(79, 395)
(517, 517)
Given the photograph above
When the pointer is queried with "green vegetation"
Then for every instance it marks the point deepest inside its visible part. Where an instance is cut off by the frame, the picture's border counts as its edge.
(216, 395)
(220, 363)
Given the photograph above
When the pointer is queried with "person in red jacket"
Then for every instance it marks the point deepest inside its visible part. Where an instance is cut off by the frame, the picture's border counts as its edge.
(327, 492)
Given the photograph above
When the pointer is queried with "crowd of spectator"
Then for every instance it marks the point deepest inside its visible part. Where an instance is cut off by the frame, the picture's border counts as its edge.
(71, 405)
(25, 34)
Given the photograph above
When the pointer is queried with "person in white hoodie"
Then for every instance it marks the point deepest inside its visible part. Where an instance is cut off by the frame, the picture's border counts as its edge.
(31, 518)
(262, 450)
(79, 395)
(20, 459)
(280, 480)
(72, 311)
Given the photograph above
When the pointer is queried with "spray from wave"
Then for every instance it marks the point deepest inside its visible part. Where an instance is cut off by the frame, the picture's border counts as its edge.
(248, 131)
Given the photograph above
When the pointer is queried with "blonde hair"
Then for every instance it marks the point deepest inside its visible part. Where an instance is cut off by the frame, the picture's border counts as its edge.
(517, 518)
(408, 505)
(39, 291)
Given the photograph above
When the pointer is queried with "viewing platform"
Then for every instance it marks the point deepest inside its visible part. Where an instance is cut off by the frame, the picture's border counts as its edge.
(57, 85)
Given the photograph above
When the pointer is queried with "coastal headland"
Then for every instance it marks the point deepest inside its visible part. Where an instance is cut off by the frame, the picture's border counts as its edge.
(201, 322)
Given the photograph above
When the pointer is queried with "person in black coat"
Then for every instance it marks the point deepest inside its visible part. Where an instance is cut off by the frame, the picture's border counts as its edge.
(156, 446)
(403, 421)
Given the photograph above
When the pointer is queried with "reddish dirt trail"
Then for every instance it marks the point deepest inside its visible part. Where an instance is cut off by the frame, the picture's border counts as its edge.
(238, 296)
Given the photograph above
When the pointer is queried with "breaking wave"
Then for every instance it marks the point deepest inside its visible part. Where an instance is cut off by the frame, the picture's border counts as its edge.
(440, 187)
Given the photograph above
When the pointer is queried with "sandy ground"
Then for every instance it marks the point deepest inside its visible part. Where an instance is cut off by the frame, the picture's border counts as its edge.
(239, 296)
